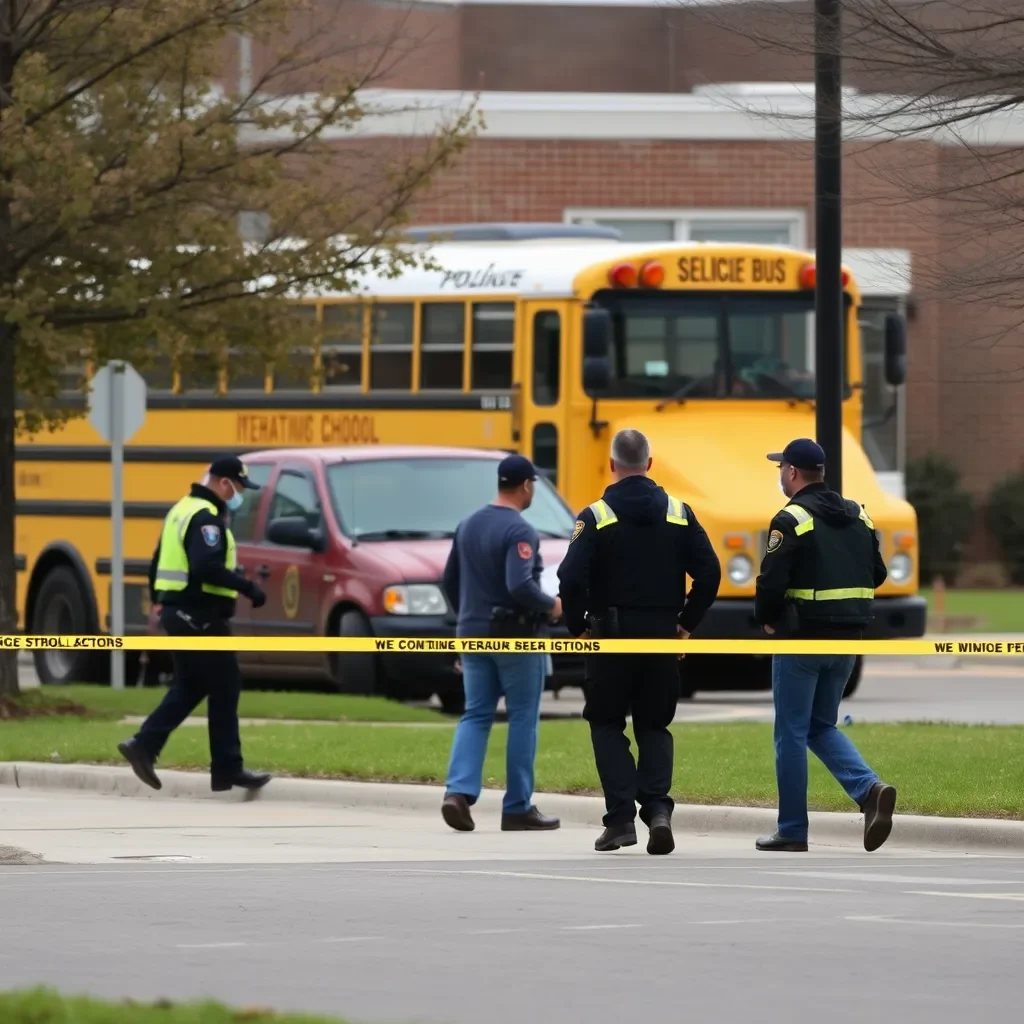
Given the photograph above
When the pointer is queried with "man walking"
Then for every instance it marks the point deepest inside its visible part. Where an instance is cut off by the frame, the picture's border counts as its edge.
(194, 584)
(624, 576)
(492, 580)
(818, 578)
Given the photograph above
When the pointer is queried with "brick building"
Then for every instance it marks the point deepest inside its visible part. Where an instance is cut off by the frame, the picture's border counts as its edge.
(629, 113)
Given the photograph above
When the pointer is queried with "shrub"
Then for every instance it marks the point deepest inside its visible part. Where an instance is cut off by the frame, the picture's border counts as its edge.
(1006, 520)
(943, 515)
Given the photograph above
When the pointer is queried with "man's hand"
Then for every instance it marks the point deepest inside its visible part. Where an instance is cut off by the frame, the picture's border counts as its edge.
(585, 635)
(768, 629)
(153, 627)
(683, 635)
(256, 596)
(556, 611)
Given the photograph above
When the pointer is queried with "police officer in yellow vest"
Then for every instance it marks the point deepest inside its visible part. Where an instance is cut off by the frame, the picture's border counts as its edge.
(624, 576)
(194, 581)
(818, 578)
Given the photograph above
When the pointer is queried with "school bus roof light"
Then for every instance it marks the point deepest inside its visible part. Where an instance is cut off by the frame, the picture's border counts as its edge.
(622, 275)
(809, 276)
(652, 275)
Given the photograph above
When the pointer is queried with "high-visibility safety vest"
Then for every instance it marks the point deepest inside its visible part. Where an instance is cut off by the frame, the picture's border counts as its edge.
(172, 569)
(837, 584)
(604, 516)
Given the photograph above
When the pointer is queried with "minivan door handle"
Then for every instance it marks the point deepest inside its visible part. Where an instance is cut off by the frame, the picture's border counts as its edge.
(263, 571)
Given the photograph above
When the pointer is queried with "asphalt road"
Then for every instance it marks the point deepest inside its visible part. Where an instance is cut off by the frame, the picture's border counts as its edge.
(733, 939)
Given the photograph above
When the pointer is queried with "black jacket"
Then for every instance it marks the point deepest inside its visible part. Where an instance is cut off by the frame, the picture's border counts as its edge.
(840, 552)
(205, 565)
(639, 563)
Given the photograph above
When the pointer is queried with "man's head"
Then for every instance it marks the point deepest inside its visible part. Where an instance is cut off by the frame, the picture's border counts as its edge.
(516, 477)
(227, 477)
(802, 462)
(630, 455)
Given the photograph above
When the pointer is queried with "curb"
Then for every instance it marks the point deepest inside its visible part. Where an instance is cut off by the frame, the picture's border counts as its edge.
(920, 832)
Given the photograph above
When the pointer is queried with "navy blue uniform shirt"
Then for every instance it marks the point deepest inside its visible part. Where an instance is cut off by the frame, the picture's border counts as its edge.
(494, 563)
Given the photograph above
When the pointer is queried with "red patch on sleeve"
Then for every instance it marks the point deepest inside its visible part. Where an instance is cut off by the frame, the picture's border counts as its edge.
(525, 550)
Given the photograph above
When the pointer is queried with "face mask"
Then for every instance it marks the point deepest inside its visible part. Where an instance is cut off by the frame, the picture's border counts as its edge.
(782, 487)
(235, 501)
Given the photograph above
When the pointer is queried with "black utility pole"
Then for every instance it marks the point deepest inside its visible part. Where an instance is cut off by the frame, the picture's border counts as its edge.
(829, 349)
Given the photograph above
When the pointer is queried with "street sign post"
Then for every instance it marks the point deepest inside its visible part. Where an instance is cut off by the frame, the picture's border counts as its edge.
(117, 408)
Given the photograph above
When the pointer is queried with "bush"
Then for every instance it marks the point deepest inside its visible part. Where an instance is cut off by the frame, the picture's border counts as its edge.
(943, 515)
(1006, 520)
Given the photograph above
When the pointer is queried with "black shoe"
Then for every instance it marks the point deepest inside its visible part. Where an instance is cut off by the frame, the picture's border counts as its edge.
(878, 808)
(531, 821)
(455, 811)
(779, 844)
(141, 762)
(615, 836)
(661, 840)
(244, 779)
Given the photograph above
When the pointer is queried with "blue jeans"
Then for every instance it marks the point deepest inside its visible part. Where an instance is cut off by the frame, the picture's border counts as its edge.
(807, 689)
(486, 677)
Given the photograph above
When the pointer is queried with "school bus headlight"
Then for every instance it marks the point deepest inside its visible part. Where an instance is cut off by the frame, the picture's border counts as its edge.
(900, 568)
(415, 599)
(740, 569)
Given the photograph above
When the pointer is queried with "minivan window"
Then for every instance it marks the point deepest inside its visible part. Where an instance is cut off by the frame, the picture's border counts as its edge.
(410, 499)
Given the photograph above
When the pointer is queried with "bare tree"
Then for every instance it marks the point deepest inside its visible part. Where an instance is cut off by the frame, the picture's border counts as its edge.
(131, 142)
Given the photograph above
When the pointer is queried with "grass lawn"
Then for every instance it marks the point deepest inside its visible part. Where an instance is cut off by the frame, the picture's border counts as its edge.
(959, 770)
(993, 611)
(104, 702)
(42, 1006)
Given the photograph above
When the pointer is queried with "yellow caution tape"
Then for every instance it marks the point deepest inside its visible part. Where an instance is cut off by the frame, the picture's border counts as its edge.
(465, 645)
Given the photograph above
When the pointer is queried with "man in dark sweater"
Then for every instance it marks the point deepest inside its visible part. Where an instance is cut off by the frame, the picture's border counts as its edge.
(492, 580)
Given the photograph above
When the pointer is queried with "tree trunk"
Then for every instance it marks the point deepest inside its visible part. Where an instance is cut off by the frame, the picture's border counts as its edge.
(8, 388)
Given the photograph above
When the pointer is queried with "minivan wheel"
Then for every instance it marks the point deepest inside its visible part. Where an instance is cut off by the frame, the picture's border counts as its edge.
(355, 672)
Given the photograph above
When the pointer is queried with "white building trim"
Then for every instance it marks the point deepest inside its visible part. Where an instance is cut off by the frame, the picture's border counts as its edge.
(747, 112)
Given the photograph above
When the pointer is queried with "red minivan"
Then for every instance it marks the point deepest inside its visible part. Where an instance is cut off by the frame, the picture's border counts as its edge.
(353, 542)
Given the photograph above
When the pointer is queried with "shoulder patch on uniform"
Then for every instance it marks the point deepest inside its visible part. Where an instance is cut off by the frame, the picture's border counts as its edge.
(577, 530)
(774, 540)
(211, 534)
(525, 550)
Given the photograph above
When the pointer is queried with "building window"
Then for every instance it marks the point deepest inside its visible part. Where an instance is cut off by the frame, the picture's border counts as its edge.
(391, 346)
(738, 227)
(341, 347)
(442, 344)
(547, 358)
(493, 341)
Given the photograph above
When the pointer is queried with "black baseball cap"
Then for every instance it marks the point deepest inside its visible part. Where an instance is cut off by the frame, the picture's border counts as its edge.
(231, 467)
(803, 453)
(514, 470)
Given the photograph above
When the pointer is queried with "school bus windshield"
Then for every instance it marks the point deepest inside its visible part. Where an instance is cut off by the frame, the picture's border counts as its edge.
(711, 345)
(373, 503)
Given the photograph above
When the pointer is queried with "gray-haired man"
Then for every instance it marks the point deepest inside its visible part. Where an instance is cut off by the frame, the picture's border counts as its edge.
(624, 575)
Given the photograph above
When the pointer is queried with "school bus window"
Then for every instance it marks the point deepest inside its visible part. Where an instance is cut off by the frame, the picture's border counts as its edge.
(341, 351)
(545, 451)
(245, 371)
(243, 521)
(73, 374)
(442, 342)
(547, 359)
(158, 370)
(297, 371)
(493, 340)
(200, 371)
(391, 326)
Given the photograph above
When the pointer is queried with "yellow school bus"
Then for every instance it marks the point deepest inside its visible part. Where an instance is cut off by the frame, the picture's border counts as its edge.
(542, 342)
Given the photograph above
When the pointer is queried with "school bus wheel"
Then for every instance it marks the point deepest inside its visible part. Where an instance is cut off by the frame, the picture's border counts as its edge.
(60, 610)
(355, 672)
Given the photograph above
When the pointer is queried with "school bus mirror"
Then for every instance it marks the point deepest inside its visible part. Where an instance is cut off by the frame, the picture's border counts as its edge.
(293, 532)
(895, 350)
(597, 375)
(597, 333)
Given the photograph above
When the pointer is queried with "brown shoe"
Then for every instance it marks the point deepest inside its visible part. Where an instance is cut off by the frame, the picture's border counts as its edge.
(531, 821)
(878, 809)
(455, 811)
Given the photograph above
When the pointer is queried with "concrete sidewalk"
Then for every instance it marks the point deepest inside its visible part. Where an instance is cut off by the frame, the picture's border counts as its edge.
(919, 832)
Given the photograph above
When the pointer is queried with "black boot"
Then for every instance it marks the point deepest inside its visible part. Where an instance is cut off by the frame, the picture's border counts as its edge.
(780, 844)
(141, 762)
(878, 809)
(616, 836)
(243, 778)
(661, 840)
